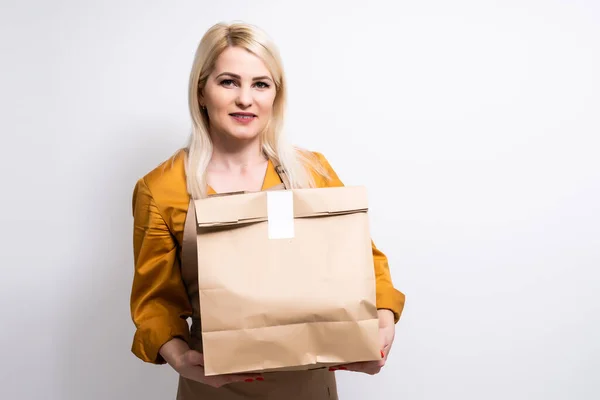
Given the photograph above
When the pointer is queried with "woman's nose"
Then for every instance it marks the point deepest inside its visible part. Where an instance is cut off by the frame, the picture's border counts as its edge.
(244, 98)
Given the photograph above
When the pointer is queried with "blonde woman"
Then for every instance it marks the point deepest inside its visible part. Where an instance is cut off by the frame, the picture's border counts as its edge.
(237, 94)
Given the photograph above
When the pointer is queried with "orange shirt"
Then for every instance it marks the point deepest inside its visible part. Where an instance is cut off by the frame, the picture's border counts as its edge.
(159, 301)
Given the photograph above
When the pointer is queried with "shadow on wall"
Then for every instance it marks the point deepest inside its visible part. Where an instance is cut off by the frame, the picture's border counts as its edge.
(96, 327)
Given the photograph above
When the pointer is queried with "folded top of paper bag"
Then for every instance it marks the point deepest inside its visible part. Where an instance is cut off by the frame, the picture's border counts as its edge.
(252, 207)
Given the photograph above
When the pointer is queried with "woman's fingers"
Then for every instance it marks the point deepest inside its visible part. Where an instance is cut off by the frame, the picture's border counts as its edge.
(220, 380)
(193, 368)
(367, 367)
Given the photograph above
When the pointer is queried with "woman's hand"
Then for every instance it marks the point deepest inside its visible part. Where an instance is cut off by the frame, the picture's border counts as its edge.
(387, 332)
(190, 364)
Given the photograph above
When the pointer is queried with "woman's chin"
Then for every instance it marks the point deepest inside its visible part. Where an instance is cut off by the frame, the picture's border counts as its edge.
(243, 134)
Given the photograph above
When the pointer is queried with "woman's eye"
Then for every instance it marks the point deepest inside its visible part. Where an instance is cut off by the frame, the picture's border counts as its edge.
(262, 85)
(227, 82)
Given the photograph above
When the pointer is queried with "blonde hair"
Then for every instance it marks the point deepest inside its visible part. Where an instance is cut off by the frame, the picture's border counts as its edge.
(296, 163)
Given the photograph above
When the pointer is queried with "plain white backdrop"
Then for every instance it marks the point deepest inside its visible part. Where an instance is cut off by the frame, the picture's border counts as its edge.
(474, 124)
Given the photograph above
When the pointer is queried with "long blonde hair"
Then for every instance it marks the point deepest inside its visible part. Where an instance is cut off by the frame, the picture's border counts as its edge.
(297, 163)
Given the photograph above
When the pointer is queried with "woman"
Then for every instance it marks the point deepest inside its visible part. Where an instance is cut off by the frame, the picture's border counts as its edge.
(236, 98)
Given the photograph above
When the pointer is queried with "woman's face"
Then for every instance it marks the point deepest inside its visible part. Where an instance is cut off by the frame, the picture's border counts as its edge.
(238, 95)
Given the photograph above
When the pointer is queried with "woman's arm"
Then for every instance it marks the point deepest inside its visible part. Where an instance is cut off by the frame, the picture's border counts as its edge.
(389, 301)
(159, 302)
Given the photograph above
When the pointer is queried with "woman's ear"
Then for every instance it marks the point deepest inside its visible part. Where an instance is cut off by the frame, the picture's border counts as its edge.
(201, 97)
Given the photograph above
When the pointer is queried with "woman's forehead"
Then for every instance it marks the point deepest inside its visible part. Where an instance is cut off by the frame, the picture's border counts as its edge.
(241, 62)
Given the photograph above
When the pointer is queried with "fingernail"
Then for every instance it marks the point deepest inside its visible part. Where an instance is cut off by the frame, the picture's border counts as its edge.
(382, 355)
(343, 368)
(249, 380)
(260, 378)
(331, 369)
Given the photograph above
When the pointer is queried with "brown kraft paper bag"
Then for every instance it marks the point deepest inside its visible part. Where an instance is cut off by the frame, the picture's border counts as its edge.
(286, 280)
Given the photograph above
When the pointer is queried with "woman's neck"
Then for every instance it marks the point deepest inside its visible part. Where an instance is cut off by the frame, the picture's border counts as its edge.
(236, 156)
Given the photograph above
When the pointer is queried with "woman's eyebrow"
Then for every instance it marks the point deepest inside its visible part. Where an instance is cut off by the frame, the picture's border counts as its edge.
(236, 76)
(262, 78)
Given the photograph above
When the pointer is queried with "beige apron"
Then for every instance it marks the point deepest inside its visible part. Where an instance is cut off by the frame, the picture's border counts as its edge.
(297, 385)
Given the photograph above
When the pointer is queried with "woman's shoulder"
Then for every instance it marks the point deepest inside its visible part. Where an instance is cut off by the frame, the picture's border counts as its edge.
(168, 175)
(165, 187)
(166, 183)
(321, 170)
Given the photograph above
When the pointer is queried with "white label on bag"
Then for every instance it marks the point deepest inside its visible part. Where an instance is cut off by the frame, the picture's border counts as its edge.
(280, 214)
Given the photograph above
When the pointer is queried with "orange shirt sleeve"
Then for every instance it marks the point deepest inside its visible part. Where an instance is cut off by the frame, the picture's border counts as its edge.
(388, 297)
(159, 302)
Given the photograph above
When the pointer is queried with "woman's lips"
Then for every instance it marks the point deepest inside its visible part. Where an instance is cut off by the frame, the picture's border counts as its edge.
(243, 118)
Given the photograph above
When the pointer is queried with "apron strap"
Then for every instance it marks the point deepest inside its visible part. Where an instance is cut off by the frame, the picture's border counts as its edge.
(189, 246)
(282, 175)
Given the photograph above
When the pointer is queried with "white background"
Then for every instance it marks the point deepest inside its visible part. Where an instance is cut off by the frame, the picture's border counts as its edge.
(474, 124)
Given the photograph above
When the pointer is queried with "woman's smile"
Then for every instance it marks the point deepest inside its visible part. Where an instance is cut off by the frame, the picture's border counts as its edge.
(243, 117)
